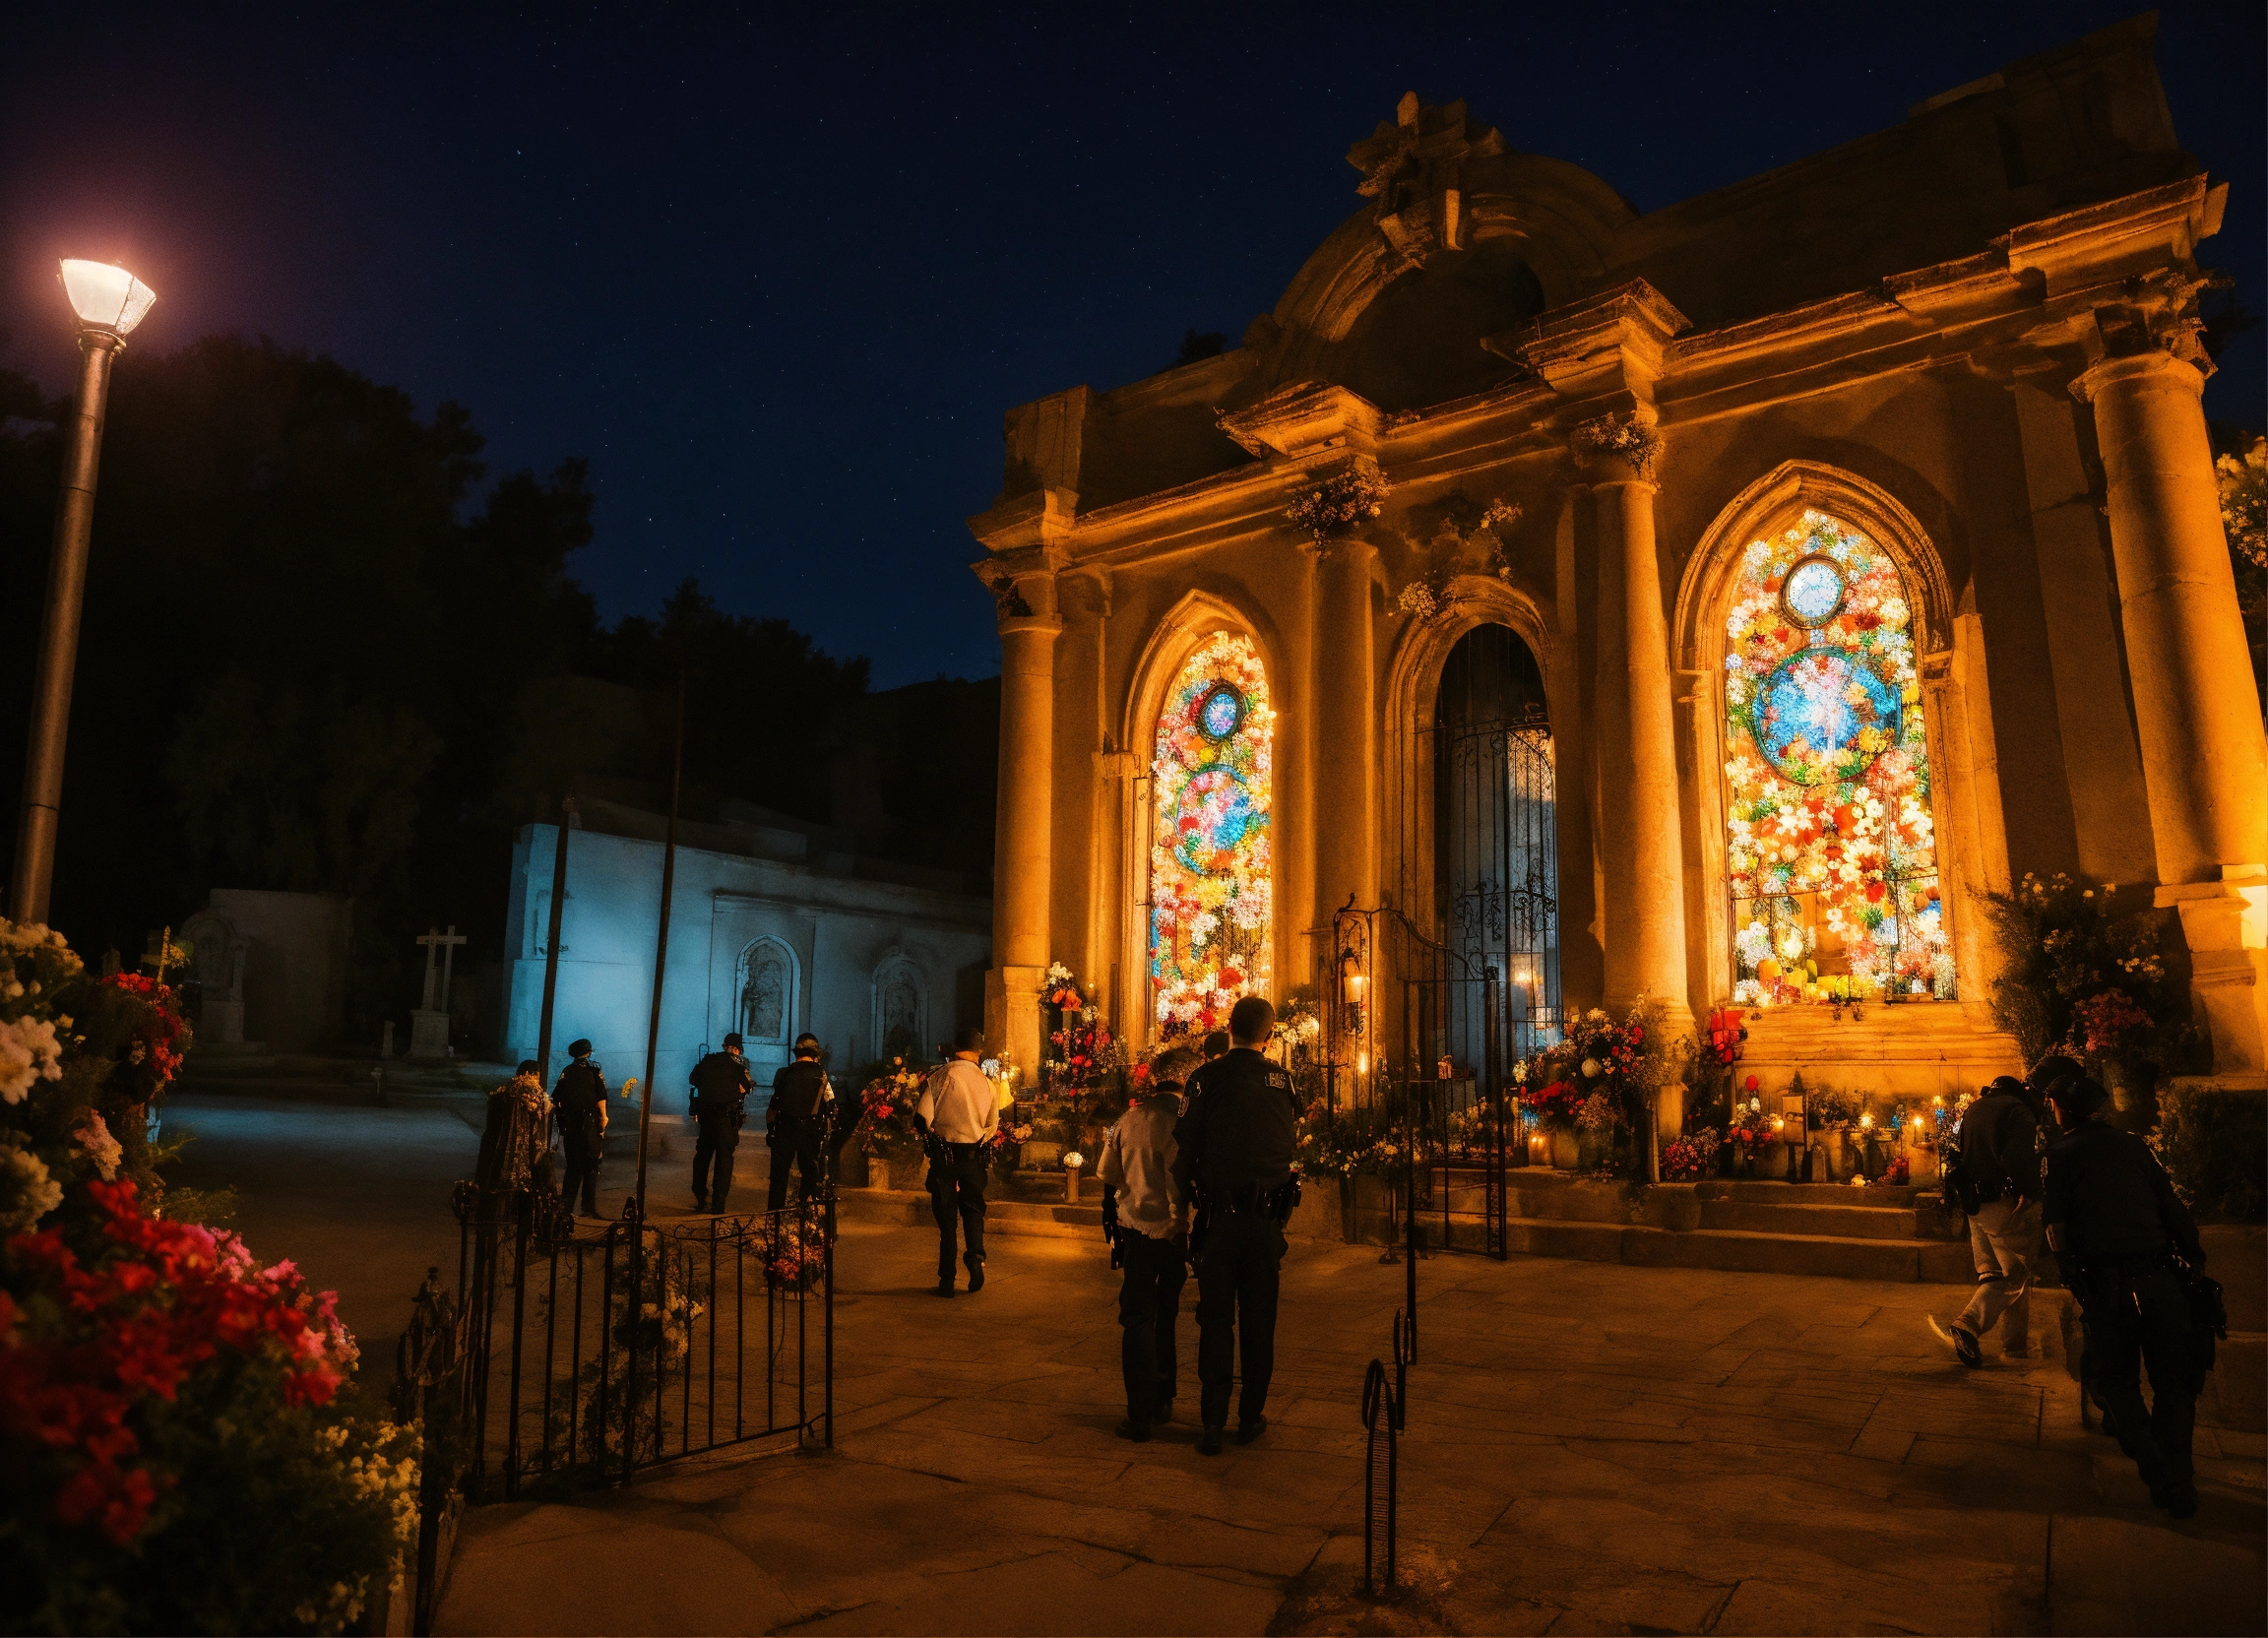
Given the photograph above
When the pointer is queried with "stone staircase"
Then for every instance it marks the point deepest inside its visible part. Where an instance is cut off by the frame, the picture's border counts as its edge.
(1879, 1232)
(1755, 1227)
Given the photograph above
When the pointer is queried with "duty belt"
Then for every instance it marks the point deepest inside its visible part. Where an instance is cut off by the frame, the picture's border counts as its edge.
(1250, 1197)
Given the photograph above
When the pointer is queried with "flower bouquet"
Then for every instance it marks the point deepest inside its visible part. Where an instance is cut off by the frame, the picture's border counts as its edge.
(1690, 1156)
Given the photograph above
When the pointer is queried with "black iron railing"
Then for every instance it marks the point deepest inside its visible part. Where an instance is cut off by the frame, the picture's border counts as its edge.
(1385, 1414)
(597, 1347)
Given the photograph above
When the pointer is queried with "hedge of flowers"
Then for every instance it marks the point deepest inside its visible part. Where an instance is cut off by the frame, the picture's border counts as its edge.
(177, 1421)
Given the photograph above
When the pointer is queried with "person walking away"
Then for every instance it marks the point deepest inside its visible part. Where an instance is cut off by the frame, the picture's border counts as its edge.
(795, 1122)
(719, 1104)
(959, 1111)
(1150, 1243)
(2124, 1240)
(515, 1138)
(579, 1104)
(1997, 1175)
(1234, 1145)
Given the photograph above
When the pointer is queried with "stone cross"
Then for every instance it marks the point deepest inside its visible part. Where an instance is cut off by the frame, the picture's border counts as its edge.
(445, 945)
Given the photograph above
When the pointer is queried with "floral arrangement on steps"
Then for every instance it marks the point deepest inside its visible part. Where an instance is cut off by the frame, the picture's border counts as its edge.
(1690, 1156)
(1081, 1050)
(2082, 974)
(184, 1445)
(886, 1130)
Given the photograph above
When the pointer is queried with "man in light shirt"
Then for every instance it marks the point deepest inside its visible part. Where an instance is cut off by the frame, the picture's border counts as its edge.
(1152, 1243)
(959, 1111)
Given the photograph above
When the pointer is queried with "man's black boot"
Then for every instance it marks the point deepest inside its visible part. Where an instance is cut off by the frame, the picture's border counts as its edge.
(1136, 1431)
(945, 1284)
(976, 1273)
(1247, 1432)
(1209, 1443)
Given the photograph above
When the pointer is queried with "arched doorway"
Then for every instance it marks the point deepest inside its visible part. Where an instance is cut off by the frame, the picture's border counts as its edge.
(1495, 854)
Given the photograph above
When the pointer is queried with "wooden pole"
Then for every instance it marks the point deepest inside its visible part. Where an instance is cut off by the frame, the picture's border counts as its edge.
(660, 948)
(551, 943)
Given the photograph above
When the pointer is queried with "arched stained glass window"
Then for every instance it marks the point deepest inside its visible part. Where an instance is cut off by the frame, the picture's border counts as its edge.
(1829, 843)
(1212, 800)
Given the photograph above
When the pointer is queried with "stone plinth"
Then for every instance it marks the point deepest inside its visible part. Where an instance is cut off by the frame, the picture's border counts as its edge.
(1914, 1049)
(428, 1034)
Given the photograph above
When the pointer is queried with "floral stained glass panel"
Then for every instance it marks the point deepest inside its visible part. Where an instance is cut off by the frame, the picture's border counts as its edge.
(1211, 796)
(1829, 841)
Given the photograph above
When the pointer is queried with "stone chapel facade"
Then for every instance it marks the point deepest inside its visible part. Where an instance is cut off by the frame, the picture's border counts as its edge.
(1855, 523)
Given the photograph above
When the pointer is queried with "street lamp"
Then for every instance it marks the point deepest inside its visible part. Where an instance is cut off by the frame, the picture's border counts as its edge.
(109, 303)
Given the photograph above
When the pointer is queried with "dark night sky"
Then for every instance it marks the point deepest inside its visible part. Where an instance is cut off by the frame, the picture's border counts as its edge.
(777, 271)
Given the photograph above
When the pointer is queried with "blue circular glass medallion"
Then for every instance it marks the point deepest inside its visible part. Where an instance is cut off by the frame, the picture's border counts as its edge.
(1813, 708)
(1220, 713)
(1812, 592)
(1211, 816)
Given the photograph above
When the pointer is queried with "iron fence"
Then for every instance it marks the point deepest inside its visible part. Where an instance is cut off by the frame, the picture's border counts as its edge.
(1385, 1414)
(599, 1347)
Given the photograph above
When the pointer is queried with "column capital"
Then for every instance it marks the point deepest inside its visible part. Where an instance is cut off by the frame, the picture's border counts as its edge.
(1619, 446)
(2153, 361)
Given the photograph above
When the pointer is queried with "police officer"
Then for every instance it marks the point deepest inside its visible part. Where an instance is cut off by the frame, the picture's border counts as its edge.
(796, 1121)
(2122, 1236)
(720, 1102)
(579, 1104)
(1234, 1144)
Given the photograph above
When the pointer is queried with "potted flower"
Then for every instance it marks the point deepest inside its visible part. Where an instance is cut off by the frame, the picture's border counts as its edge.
(1832, 1116)
(1595, 1124)
(1556, 1104)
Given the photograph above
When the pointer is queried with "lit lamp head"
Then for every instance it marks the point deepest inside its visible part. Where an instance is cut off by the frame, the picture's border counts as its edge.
(1352, 983)
(109, 301)
(1072, 1160)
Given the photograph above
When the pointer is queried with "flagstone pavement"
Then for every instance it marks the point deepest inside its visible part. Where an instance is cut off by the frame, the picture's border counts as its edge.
(1592, 1448)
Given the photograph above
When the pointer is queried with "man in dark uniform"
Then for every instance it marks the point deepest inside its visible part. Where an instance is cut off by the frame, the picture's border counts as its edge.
(2121, 1235)
(720, 1102)
(579, 1104)
(796, 1121)
(1234, 1145)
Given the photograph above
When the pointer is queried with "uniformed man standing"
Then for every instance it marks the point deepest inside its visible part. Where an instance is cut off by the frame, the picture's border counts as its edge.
(579, 1104)
(1234, 1145)
(795, 1122)
(958, 1112)
(2122, 1236)
(720, 1102)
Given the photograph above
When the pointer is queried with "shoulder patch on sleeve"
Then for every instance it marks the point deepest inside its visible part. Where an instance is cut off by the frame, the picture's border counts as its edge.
(1279, 1077)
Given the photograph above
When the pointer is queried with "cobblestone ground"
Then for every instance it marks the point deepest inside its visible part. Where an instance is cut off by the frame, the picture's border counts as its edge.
(1591, 1449)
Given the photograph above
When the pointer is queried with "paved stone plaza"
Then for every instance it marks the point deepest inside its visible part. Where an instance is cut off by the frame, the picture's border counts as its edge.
(1592, 1449)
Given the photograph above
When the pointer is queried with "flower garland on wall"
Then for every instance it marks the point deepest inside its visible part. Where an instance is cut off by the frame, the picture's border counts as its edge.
(1209, 855)
(1828, 839)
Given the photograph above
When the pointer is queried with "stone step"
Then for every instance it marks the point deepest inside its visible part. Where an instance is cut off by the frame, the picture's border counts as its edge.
(1857, 1223)
(1736, 1250)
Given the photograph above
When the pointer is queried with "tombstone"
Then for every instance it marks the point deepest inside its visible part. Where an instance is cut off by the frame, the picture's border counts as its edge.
(430, 1024)
(216, 963)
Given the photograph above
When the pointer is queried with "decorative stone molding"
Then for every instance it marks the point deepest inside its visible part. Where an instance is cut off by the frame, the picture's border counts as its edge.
(1413, 170)
(1307, 417)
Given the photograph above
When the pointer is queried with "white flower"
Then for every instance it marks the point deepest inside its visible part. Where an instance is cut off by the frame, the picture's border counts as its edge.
(1590, 1069)
(29, 1051)
(27, 1192)
(95, 1138)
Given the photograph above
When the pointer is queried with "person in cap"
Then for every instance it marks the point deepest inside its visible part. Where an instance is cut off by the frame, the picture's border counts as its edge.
(1995, 1172)
(795, 1122)
(720, 1102)
(579, 1104)
(1151, 1241)
(957, 1114)
(1234, 1152)
(2125, 1239)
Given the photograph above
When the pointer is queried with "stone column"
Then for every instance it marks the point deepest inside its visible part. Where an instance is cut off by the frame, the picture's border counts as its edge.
(1639, 828)
(1345, 824)
(2204, 760)
(1022, 841)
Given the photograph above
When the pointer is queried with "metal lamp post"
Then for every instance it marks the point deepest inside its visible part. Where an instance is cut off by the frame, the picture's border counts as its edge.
(109, 303)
